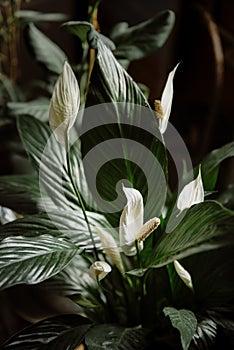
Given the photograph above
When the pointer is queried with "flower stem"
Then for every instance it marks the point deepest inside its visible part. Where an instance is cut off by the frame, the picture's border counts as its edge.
(80, 200)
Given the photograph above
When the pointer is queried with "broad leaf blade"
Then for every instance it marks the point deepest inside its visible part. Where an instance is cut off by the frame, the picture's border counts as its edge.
(142, 39)
(45, 51)
(31, 260)
(20, 193)
(211, 163)
(49, 160)
(61, 333)
(205, 226)
(69, 224)
(110, 82)
(122, 138)
(185, 321)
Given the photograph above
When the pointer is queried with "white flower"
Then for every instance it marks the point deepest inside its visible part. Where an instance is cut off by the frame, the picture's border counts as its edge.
(99, 270)
(64, 104)
(131, 228)
(163, 107)
(110, 248)
(191, 194)
(183, 274)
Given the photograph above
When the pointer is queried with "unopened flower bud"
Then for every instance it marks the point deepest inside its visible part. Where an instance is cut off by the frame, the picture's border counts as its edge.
(183, 274)
(64, 104)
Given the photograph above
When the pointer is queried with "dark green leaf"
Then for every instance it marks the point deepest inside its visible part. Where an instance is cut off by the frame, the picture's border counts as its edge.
(57, 333)
(122, 139)
(185, 321)
(45, 51)
(141, 40)
(38, 108)
(33, 259)
(206, 226)
(55, 183)
(70, 224)
(211, 163)
(111, 337)
(20, 193)
(86, 32)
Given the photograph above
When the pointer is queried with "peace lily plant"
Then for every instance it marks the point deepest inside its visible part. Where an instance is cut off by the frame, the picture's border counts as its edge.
(130, 283)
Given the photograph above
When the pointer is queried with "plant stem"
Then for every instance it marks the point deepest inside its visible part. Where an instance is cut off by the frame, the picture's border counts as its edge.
(80, 200)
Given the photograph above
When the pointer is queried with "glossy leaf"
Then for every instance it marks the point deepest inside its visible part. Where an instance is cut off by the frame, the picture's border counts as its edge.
(45, 51)
(69, 224)
(144, 38)
(57, 333)
(185, 321)
(55, 183)
(206, 226)
(124, 136)
(211, 163)
(32, 260)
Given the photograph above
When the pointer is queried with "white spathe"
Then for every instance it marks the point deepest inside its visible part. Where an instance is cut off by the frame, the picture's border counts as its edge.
(192, 193)
(131, 228)
(131, 220)
(99, 269)
(64, 104)
(166, 102)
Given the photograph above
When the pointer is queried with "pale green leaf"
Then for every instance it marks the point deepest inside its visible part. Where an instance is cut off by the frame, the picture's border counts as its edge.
(185, 321)
(45, 51)
(144, 38)
(38, 108)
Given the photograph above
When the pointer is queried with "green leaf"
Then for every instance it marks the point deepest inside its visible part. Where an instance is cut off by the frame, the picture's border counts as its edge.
(185, 321)
(206, 226)
(143, 39)
(211, 163)
(38, 108)
(55, 184)
(20, 193)
(32, 260)
(110, 82)
(45, 51)
(124, 137)
(56, 333)
(69, 224)
(111, 337)
(86, 32)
